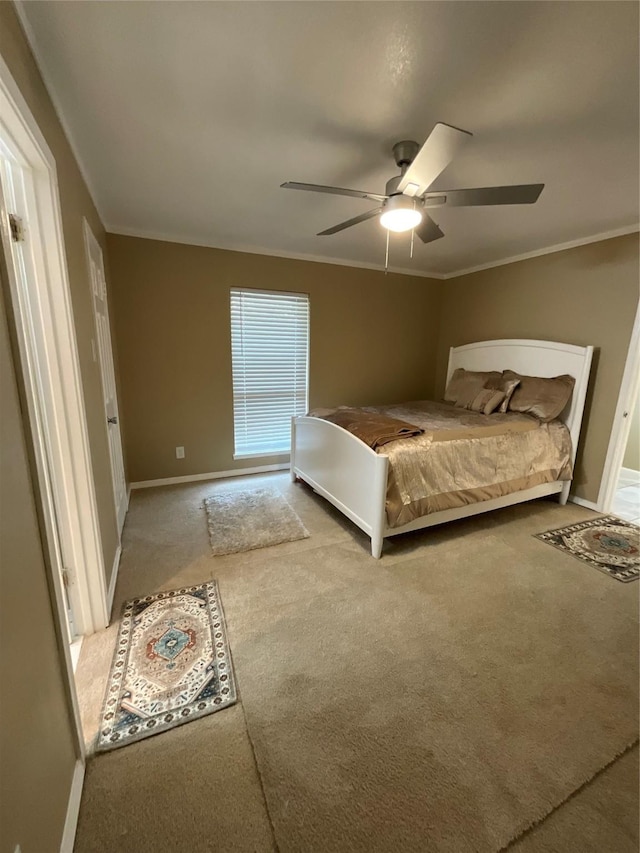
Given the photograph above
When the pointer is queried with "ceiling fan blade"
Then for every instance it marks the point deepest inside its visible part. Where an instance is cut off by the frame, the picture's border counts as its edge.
(517, 194)
(428, 231)
(438, 151)
(349, 222)
(319, 188)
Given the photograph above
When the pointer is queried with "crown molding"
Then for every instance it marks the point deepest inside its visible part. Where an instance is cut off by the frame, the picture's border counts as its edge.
(123, 231)
(549, 250)
(30, 36)
(259, 250)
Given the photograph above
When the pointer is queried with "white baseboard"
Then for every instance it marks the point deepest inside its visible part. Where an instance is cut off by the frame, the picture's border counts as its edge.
(583, 502)
(630, 474)
(114, 578)
(214, 475)
(73, 809)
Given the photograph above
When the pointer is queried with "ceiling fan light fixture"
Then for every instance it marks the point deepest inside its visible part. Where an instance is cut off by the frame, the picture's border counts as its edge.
(400, 220)
(400, 214)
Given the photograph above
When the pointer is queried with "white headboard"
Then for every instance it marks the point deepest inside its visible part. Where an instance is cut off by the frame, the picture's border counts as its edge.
(533, 358)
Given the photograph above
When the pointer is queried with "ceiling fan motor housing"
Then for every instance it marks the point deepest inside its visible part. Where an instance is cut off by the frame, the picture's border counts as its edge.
(391, 187)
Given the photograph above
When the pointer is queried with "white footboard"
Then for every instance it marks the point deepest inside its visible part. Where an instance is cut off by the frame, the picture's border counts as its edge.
(343, 470)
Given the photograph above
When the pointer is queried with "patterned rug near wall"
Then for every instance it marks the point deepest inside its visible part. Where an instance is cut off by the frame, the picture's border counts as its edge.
(609, 544)
(244, 519)
(171, 665)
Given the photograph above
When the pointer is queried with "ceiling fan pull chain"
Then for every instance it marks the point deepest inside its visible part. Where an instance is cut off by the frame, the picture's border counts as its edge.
(413, 231)
(386, 257)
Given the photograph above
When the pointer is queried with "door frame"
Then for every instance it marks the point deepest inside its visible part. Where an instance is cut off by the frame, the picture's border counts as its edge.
(49, 369)
(45, 327)
(629, 388)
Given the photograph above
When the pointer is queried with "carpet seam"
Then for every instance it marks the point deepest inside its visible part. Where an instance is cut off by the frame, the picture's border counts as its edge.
(539, 821)
(257, 766)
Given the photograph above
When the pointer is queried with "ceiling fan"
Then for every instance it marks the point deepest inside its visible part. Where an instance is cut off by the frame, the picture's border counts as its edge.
(403, 205)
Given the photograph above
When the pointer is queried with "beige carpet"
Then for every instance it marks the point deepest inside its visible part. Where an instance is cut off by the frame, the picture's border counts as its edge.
(251, 518)
(445, 698)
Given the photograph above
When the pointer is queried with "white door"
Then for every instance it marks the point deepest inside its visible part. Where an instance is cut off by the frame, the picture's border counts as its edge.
(105, 358)
(17, 242)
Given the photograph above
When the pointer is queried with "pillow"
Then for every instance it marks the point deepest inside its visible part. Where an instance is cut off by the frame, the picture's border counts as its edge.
(508, 386)
(465, 385)
(543, 398)
(487, 401)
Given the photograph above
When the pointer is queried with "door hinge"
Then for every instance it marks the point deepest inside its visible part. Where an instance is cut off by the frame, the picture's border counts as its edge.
(17, 231)
(66, 578)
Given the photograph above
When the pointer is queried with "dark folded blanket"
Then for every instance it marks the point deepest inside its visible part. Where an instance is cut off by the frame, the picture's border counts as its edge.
(372, 428)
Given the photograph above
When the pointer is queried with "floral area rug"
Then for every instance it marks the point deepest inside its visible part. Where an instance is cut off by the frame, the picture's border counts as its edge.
(245, 519)
(609, 544)
(171, 665)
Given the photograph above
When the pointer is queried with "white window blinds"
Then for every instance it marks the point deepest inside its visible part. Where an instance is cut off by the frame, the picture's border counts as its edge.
(270, 356)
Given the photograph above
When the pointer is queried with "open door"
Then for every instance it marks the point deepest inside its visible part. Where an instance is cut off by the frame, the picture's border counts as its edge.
(104, 355)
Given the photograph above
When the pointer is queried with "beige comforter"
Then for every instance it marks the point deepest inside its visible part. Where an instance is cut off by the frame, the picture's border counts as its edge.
(464, 457)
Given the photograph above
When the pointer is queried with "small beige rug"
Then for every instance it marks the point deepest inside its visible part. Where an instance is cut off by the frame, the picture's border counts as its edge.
(251, 518)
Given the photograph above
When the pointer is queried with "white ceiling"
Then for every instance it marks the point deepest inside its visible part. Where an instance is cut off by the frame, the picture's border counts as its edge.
(187, 116)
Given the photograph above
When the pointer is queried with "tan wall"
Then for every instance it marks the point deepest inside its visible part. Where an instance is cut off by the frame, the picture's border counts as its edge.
(75, 204)
(632, 450)
(582, 296)
(372, 339)
(37, 752)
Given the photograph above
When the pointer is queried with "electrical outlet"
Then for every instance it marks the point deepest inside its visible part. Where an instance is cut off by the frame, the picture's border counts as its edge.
(179, 452)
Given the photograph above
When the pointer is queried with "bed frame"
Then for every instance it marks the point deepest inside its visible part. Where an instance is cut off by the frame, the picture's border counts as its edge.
(350, 475)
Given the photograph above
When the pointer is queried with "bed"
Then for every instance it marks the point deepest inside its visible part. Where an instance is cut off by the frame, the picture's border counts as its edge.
(355, 479)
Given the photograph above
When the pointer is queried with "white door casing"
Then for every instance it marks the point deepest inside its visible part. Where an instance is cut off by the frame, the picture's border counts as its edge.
(629, 388)
(14, 181)
(44, 331)
(40, 301)
(98, 285)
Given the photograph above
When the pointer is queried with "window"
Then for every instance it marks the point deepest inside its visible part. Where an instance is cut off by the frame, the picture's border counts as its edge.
(270, 357)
